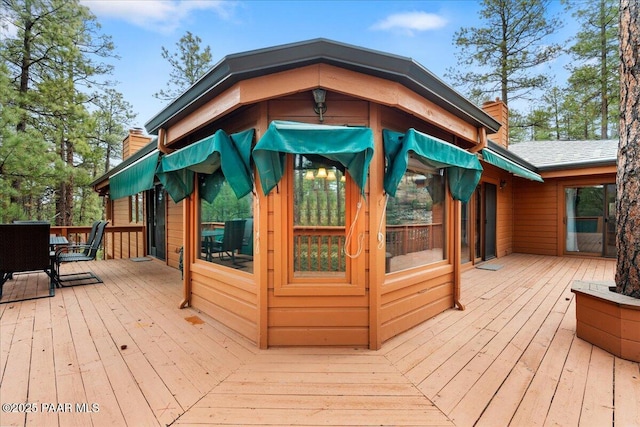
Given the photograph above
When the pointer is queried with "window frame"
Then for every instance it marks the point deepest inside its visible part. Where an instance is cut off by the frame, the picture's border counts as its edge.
(197, 205)
(447, 219)
(136, 208)
(352, 282)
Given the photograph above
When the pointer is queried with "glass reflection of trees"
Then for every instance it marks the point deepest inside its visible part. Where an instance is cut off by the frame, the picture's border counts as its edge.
(319, 193)
(318, 201)
(226, 206)
(415, 221)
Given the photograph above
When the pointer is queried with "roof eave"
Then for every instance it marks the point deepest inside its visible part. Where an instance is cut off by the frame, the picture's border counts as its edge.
(578, 165)
(242, 66)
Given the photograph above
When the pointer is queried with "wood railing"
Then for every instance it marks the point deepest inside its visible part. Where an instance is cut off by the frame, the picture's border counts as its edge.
(404, 239)
(319, 248)
(127, 241)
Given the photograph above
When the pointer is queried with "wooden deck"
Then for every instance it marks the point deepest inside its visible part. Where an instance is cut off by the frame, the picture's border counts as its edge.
(125, 350)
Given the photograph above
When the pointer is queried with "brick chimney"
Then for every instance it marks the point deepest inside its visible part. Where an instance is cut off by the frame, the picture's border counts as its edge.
(133, 142)
(499, 111)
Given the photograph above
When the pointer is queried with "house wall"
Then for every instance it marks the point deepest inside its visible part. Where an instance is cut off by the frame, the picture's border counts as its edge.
(266, 306)
(314, 314)
(408, 298)
(504, 207)
(175, 232)
(230, 296)
(539, 209)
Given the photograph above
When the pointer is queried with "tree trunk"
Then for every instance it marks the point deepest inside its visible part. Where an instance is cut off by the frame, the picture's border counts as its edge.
(628, 177)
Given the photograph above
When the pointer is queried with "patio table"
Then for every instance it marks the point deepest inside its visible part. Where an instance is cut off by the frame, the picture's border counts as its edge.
(208, 239)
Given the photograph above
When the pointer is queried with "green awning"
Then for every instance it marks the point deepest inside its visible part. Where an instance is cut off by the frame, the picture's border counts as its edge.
(502, 162)
(352, 147)
(463, 168)
(218, 157)
(136, 177)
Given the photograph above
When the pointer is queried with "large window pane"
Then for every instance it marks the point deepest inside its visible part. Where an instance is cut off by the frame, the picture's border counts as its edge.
(584, 219)
(226, 230)
(319, 206)
(416, 221)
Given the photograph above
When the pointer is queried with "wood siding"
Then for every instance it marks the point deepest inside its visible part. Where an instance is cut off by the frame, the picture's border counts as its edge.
(504, 207)
(270, 306)
(536, 217)
(175, 232)
(317, 313)
(230, 296)
(408, 298)
(539, 210)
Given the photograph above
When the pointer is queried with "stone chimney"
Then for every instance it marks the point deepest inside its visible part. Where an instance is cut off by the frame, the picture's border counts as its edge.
(133, 142)
(499, 111)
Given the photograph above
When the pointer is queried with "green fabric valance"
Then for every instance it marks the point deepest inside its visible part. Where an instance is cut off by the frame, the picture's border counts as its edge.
(136, 177)
(463, 168)
(502, 162)
(352, 147)
(217, 157)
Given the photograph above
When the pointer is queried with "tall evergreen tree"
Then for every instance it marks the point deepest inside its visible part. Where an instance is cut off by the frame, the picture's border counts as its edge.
(54, 55)
(113, 117)
(188, 63)
(507, 50)
(628, 178)
(595, 65)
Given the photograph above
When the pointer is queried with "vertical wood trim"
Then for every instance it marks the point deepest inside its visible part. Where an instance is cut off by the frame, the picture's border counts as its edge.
(377, 198)
(260, 260)
(187, 248)
(457, 241)
(561, 230)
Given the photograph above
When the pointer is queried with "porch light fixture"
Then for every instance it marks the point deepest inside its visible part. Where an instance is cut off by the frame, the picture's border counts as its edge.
(322, 173)
(331, 176)
(503, 184)
(319, 96)
(309, 175)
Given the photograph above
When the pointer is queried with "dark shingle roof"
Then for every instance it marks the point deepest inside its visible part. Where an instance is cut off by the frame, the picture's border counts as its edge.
(567, 154)
(241, 66)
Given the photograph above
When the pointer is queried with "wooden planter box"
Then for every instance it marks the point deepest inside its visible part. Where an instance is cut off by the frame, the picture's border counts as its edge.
(607, 319)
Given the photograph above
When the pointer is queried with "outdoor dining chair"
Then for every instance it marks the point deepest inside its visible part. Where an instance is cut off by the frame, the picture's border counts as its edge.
(231, 241)
(24, 247)
(79, 253)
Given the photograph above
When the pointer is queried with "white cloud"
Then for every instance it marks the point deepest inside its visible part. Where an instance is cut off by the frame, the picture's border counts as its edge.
(410, 22)
(157, 15)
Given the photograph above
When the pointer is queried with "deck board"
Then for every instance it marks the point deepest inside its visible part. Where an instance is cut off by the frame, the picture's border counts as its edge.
(511, 358)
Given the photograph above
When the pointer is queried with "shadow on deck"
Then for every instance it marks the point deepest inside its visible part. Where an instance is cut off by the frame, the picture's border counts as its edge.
(121, 353)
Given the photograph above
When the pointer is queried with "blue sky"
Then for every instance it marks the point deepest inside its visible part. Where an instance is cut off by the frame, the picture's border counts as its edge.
(422, 30)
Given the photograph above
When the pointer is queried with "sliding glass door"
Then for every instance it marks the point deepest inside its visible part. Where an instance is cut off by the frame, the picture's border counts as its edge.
(590, 220)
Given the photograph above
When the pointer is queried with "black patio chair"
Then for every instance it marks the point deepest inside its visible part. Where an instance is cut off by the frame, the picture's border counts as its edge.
(79, 253)
(247, 239)
(231, 241)
(24, 247)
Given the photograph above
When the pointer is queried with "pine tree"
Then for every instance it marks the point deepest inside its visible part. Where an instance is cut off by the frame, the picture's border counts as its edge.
(628, 179)
(507, 49)
(188, 64)
(595, 65)
(54, 55)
